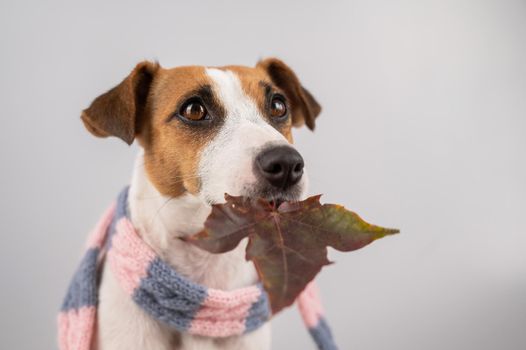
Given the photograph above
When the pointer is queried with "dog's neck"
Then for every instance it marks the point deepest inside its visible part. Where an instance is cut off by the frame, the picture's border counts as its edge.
(162, 220)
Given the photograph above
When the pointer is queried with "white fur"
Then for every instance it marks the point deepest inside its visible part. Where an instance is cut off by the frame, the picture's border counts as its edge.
(226, 162)
(225, 167)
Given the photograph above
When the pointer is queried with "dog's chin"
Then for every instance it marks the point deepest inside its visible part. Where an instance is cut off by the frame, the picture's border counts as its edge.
(275, 196)
(272, 195)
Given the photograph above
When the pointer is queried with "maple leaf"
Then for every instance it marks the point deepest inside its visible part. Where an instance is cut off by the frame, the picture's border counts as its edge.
(288, 244)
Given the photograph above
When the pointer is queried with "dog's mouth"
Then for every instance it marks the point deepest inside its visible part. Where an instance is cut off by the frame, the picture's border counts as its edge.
(273, 200)
(276, 202)
(276, 197)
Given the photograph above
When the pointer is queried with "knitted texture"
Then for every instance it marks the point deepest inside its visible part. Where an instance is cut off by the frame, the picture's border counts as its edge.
(164, 294)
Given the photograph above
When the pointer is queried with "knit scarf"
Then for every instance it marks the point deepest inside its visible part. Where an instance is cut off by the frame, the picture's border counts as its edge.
(163, 293)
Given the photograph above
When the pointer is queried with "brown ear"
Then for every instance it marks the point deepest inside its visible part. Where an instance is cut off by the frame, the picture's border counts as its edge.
(118, 112)
(304, 107)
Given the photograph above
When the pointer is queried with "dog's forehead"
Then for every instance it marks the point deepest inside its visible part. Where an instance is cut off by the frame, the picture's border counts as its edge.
(179, 80)
(251, 81)
(226, 82)
(249, 77)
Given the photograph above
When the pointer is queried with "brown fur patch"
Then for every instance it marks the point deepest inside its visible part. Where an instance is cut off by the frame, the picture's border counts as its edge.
(119, 111)
(172, 148)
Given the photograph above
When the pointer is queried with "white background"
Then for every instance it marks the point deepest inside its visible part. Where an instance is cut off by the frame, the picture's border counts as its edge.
(423, 128)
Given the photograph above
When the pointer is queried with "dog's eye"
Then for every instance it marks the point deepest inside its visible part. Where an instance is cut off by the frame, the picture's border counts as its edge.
(278, 108)
(194, 111)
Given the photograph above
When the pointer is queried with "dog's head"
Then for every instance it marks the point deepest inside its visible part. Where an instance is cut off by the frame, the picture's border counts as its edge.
(211, 131)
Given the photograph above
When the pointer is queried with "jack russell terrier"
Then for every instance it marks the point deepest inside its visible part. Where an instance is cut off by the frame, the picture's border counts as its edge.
(203, 132)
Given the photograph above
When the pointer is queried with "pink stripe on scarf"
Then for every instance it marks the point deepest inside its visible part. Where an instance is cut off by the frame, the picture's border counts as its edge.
(76, 328)
(129, 257)
(215, 328)
(224, 313)
(224, 299)
(98, 235)
(309, 305)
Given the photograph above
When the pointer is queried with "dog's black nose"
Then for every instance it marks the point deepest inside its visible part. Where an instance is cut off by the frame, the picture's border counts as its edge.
(281, 166)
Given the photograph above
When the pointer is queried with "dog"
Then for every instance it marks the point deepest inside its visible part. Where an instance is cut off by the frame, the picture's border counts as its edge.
(203, 132)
